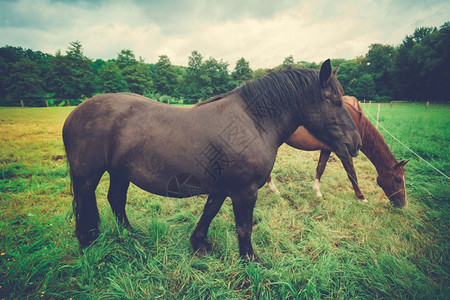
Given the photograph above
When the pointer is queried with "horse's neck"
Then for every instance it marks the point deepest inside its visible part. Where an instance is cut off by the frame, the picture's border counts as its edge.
(374, 146)
(274, 123)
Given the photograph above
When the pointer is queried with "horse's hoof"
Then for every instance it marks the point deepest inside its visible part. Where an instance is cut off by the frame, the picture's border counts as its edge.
(364, 200)
(82, 246)
(252, 258)
(201, 248)
(319, 195)
(86, 240)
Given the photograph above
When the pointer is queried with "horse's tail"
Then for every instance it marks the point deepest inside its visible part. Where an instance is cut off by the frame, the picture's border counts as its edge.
(71, 178)
(64, 138)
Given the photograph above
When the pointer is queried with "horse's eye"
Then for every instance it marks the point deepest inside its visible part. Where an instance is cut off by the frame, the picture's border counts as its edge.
(398, 180)
(337, 101)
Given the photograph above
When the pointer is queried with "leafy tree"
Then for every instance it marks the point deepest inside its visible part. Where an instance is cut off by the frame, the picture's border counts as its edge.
(138, 78)
(25, 80)
(258, 73)
(195, 80)
(421, 64)
(81, 75)
(165, 79)
(242, 71)
(362, 87)
(441, 72)
(4, 77)
(204, 79)
(380, 60)
(56, 76)
(70, 76)
(136, 73)
(288, 62)
(348, 71)
(97, 66)
(335, 62)
(219, 78)
(111, 79)
(11, 55)
(125, 58)
(309, 65)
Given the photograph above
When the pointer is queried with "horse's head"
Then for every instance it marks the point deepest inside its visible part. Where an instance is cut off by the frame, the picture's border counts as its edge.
(329, 120)
(392, 181)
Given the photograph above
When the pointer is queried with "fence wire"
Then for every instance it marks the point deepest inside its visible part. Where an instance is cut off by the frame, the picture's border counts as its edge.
(401, 143)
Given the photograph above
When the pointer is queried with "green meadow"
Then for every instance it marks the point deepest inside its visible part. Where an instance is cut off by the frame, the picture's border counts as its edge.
(335, 247)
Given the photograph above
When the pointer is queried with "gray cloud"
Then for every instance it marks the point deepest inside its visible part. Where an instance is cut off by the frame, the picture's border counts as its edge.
(264, 32)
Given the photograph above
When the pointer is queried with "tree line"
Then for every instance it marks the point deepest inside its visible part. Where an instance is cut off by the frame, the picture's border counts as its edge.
(416, 70)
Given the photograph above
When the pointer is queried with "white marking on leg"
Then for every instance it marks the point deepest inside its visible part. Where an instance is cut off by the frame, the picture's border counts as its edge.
(273, 188)
(316, 188)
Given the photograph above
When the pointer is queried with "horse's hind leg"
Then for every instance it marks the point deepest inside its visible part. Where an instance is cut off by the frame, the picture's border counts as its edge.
(198, 237)
(117, 197)
(85, 208)
(323, 159)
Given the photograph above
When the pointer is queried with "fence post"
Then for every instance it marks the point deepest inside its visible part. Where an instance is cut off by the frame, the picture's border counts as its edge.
(46, 103)
(21, 103)
(168, 100)
(428, 104)
(378, 113)
(68, 102)
(182, 102)
(391, 104)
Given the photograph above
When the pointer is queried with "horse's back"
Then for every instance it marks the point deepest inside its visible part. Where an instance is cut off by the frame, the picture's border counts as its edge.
(352, 101)
(92, 126)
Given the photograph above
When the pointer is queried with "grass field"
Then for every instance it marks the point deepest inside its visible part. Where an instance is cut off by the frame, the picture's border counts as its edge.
(333, 247)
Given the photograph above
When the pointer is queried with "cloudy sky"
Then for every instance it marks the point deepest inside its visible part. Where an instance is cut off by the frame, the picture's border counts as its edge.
(263, 32)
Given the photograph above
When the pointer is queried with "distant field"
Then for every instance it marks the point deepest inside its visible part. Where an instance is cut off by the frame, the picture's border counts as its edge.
(334, 247)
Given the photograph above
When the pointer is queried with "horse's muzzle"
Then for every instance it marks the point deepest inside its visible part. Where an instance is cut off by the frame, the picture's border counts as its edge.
(354, 152)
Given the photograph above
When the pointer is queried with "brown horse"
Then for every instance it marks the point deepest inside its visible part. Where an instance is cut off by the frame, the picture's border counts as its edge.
(391, 175)
(213, 148)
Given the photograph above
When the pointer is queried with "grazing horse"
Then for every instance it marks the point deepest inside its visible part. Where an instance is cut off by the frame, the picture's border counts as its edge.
(226, 146)
(391, 175)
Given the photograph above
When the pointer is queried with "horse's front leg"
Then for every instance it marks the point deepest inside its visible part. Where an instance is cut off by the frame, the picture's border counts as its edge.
(243, 205)
(351, 173)
(198, 238)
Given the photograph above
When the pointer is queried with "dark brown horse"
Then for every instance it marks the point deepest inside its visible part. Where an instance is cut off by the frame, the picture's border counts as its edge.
(391, 175)
(224, 147)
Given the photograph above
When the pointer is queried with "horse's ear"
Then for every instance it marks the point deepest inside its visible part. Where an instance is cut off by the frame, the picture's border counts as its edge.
(401, 164)
(325, 73)
(336, 70)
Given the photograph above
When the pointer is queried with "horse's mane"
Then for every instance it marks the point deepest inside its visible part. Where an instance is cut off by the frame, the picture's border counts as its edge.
(212, 99)
(374, 145)
(287, 87)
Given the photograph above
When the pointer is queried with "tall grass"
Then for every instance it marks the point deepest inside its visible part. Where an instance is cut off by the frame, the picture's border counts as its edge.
(334, 247)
